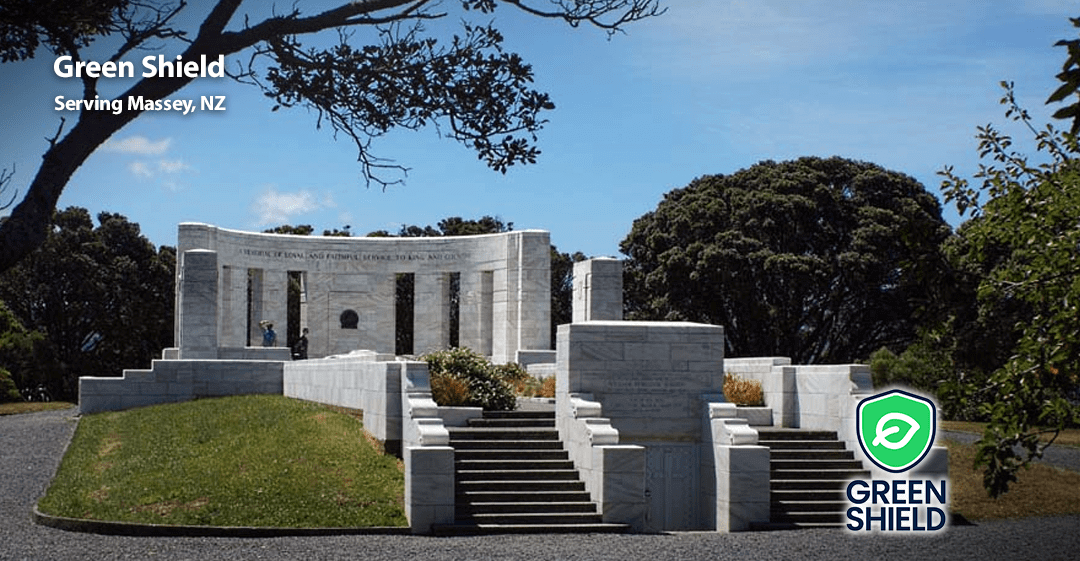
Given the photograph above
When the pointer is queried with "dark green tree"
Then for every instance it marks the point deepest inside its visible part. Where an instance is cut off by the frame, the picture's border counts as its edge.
(820, 260)
(1070, 82)
(301, 230)
(26, 356)
(1024, 237)
(102, 296)
(562, 287)
(386, 68)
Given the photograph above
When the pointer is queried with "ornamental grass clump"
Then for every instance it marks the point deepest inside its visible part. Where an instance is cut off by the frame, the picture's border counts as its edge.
(489, 386)
(741, 391)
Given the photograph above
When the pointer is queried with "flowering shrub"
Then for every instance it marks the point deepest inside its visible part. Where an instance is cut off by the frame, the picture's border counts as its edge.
(488, 385)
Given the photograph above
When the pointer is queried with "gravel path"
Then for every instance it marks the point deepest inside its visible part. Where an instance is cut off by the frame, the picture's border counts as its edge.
(32, 445)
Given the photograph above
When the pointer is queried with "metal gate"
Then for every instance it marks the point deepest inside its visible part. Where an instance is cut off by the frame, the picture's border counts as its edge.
(673, 486)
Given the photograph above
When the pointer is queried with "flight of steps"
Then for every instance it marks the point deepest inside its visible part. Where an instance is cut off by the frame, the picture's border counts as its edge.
(809, 470)
(513, 476)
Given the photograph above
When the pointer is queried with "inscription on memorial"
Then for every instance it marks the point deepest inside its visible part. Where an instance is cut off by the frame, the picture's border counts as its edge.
(645, 393)
(642, 382)
(652, 405)
(352, 256)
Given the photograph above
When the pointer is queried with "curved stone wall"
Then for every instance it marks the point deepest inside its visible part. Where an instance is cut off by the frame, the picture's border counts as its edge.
(504, 290)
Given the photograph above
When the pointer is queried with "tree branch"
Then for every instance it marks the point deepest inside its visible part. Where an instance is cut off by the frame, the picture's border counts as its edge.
(576, 12)
(5, 181)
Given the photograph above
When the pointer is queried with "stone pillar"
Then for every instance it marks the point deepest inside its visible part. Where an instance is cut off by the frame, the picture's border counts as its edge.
(742, 487)
(503, 315)
(255, 307)
(232, 327)
(470, 334)
(431, 312)
(275, 309)
(382, 318)
(305, 315)
(534, 292)
(198, 305)
(429, 487)
(521, 302)
(320, 323)
(598, 290)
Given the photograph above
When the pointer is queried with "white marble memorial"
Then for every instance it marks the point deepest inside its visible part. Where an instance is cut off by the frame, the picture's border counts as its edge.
(349, 290)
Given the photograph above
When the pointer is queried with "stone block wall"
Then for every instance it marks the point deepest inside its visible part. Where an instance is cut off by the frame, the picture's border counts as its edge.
(171, 381)
(826, 397)
(363, 380)
(650, 381)
(649, 376)
(777, 378)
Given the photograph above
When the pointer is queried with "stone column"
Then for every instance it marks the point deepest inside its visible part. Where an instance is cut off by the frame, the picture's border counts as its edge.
(522, 297)
(598, 290)
(503, 316)
(198, 305)
(431, 312)
(320, 322)
(381, 317)
(275, 309)
(534, 293)
(255, 307)
(474, 321)
(232, 327)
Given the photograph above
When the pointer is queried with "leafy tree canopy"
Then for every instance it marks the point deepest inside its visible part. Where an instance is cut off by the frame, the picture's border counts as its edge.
(820, 260)
(1024, 235)
(385, 71)
(102, 296)
(26, 356)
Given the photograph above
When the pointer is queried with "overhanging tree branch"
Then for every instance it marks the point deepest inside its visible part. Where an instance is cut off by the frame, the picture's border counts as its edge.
(480, 93)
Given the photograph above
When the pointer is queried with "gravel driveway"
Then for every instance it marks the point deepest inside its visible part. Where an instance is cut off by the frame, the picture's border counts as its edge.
(33, 443)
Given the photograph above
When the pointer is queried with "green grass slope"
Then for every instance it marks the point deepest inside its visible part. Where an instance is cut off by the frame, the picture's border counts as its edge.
(260, 460)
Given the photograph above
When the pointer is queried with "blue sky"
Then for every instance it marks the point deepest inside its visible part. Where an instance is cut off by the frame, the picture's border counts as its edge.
(710, 87)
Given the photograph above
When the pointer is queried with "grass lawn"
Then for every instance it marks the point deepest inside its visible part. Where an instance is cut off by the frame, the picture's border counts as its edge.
(1041, 490)
(258, 460)
(32, 406)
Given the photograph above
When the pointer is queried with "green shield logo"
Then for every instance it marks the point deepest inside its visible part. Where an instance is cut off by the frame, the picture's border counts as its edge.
(896, 429)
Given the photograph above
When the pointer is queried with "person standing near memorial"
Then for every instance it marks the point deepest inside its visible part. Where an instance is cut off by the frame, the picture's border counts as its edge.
(269, 336)
(299, 351)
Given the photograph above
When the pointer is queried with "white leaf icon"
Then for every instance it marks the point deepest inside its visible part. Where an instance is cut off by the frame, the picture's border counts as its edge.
(880, 439)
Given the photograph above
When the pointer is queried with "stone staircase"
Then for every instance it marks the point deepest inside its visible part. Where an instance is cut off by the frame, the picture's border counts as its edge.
(513, 476)
(809, 471)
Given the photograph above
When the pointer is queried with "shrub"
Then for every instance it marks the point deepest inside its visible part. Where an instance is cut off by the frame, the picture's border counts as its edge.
(528, 386)
(8, 391)
(547, 387)
(487, 384)
(450, 390)
(512, 373)
(920, 367)
(743, 392)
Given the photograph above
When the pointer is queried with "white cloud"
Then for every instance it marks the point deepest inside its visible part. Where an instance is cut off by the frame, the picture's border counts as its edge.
(141, 169)
(172, 166)
(138, 145)
(273, 207)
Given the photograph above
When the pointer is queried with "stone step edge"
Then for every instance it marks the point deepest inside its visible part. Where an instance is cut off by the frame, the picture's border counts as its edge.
(483, 529)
